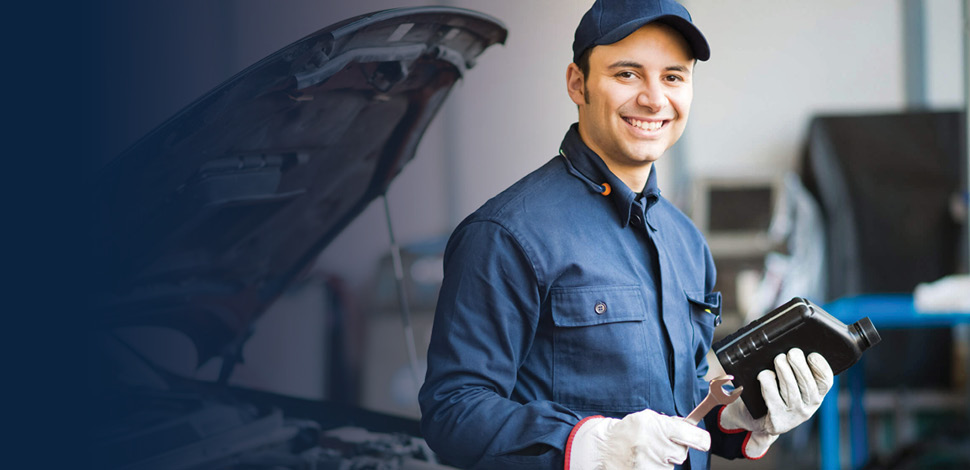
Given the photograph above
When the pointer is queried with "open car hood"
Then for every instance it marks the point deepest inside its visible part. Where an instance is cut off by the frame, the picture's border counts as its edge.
(206, 220)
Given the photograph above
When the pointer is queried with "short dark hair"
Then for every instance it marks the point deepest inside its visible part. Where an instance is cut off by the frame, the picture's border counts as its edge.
(583, 62)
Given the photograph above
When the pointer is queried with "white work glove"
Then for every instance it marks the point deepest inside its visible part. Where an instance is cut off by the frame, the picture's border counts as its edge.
(641, 441)
(792, 393)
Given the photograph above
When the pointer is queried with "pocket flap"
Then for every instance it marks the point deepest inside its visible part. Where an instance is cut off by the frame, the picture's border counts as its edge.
(584, 306)
(710, 303)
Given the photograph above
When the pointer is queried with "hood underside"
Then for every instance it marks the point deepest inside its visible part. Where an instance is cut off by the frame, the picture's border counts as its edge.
(206, 220)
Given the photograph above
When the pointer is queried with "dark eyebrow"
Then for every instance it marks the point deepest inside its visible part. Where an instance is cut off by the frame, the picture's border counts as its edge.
(677, 68)
(636, 65)
(624, 64)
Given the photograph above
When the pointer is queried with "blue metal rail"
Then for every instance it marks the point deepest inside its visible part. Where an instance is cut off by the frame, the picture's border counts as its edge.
(886, 311)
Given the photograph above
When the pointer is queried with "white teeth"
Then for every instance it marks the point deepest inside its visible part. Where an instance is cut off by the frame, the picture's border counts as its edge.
(649, 126)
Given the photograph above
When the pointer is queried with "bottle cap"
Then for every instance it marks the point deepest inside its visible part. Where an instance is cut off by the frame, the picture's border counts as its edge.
(868, 332)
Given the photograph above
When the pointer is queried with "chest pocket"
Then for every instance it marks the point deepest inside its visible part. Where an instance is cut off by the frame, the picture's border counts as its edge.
(601, 350)
(705, 315)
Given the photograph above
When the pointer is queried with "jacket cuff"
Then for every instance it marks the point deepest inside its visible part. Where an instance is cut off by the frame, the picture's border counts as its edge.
(726, 442)
(572, 435)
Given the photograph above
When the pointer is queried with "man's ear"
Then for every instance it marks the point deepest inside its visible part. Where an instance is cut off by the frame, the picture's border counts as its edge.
(575, 84)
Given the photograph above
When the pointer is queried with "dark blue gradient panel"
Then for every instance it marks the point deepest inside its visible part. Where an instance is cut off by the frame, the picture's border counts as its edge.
(230, 144)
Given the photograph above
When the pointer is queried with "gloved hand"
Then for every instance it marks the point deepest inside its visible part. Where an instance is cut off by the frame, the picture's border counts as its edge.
(792, 393)
(641, 441)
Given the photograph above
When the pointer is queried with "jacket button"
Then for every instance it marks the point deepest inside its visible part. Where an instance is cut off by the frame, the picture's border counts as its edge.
(637, 220)
(600, 308)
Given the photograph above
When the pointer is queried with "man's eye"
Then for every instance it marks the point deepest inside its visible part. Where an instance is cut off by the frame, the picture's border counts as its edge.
(674, 78)
(626, 75)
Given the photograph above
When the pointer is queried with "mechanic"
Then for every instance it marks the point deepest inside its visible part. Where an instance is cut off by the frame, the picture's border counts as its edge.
(578, 305)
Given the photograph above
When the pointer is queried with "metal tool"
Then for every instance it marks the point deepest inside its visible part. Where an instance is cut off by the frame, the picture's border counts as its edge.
(716, 396)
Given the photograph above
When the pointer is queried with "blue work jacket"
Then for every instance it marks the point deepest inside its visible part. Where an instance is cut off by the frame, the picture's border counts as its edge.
(567, 296)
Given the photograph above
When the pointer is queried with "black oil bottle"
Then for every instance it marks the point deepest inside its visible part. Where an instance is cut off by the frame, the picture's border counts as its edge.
(798, 323)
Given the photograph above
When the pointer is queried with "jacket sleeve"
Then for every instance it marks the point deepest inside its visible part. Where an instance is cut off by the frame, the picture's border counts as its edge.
(485, 322)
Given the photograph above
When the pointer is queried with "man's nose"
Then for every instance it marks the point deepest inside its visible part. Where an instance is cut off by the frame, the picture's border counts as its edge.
(652, 97)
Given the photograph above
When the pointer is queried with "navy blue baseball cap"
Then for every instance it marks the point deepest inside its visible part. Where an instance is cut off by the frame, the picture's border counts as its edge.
(609, 21)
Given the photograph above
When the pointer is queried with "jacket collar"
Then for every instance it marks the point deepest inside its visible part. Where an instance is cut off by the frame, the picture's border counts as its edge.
(586, 165)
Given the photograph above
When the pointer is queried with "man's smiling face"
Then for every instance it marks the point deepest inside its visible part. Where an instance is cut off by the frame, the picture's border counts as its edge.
(634, 103)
